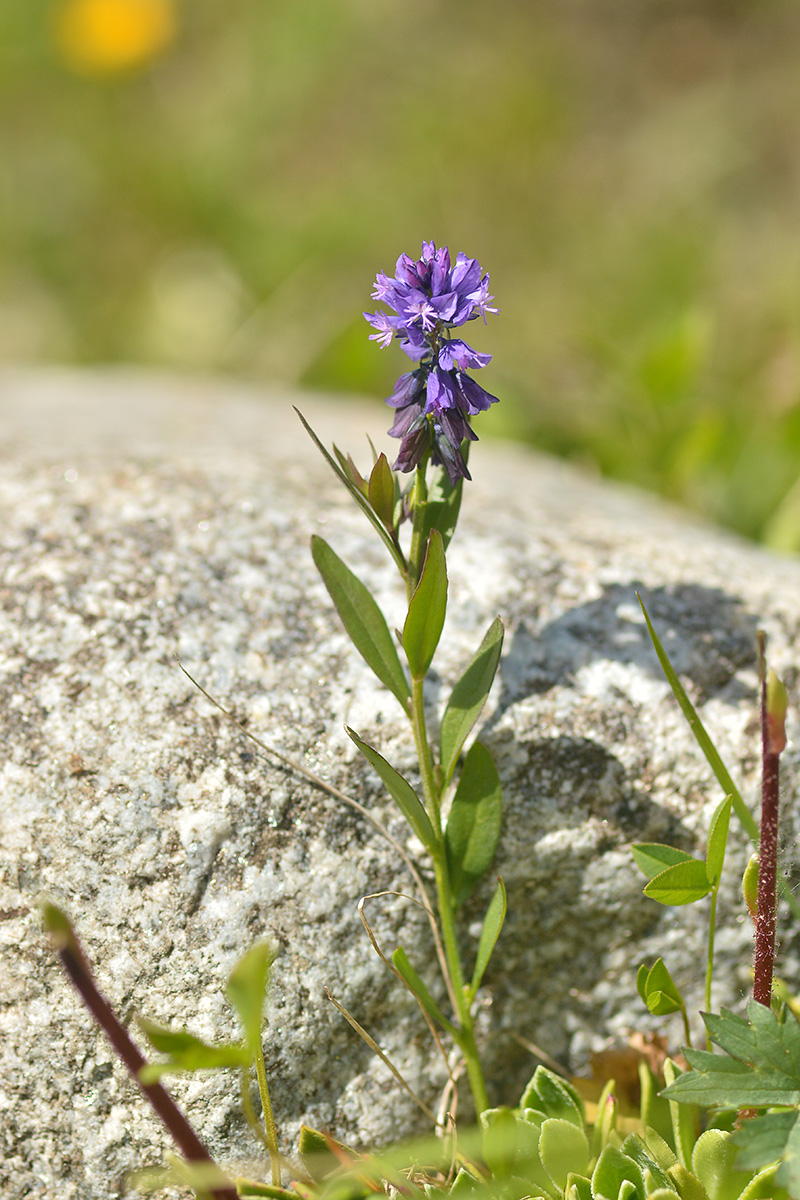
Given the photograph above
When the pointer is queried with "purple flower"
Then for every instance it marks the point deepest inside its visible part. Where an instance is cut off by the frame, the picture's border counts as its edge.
(433, 403)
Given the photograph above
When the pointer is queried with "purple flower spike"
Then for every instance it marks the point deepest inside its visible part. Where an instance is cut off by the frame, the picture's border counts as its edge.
(433, 404)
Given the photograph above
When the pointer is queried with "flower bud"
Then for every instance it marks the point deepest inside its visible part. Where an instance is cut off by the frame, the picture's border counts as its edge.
(750, 885)
(776, 714)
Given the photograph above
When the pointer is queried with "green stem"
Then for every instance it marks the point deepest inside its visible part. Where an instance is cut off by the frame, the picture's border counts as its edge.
(458, 989)
(418, 547)
(269, 1119)
(712, 929)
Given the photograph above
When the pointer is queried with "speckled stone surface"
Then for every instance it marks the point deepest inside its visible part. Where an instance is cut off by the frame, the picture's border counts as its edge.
(147, 516)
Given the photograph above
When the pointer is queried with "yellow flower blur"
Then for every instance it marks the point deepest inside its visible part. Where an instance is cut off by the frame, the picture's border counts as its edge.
(102, 37)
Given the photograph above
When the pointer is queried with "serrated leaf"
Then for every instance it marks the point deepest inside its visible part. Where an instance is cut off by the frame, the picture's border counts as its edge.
(187, 1052)
(469, 696)
(426, 612)
(652, 858)
(400, 790)
(718, 840)
(490, 932)
(473, 826)
(769, 1138)
(416, 985)
(682, 883)
(381, 491)
(723, 1081)
(365, 623)
(684, 1119)
(246, 989)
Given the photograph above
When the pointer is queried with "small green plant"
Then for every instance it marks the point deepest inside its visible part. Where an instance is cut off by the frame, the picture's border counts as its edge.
(546, 1146)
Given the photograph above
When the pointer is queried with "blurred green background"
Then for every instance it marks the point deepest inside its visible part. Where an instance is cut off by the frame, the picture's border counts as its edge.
(212, 185)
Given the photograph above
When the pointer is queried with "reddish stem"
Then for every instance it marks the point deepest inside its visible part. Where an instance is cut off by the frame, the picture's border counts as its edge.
(768, 852)
(187, 1141)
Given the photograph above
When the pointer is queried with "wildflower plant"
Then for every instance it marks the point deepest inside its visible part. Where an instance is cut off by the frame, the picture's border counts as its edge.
(551, 1144)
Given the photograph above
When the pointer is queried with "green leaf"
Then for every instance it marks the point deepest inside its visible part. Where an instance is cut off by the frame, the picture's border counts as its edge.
(682, 883)
(555, 1097)
(363, 620)
(636, 1149)
(612, 1170)
(426, 612)
(247, 988)
(763, 1140)
(415, 984)
(401, 792)
(658, 990)
(563, 1148)
(356, 493)
(381, 492)
(718, 840)
(490, 932)
(473, 826)
(713, 1160)
(684, 1117)
(187, 1052)
(760, 1069)
(469, 696)
(443, 504)
(651, 857)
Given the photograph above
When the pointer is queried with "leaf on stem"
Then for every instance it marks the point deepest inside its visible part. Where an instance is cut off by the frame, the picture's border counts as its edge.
(382, 492)
(718, 840)
(469, 696)
(415, 985)
(658, 990)
(362, 619)
(400, 790)
(247, 988)
(443, 504)
(682, 883)
(490, 932)
(426, 612)
(355, 491)
(652, 857)
(473, 826)
(187, 1052)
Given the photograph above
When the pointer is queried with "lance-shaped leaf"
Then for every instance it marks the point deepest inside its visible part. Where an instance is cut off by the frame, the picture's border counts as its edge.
(652, 858)
(415, 984)
(473, 826)
(718, 840)
(401, 792)
(361, 617)
(427, 609)
(443, 503)
(490, 932)
(382, 491)
(682, 883)
(247, 989)
(469, 696)
(354, 487)
(187, 1052)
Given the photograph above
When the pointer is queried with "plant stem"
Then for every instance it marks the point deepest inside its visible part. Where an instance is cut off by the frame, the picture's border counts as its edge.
(712, 929)
(766, 917)
(79, 971)
(269, 1119)
(444, 896)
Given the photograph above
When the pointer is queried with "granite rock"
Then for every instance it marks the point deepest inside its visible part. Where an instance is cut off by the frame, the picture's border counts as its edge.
(146, 517)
